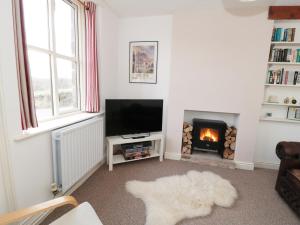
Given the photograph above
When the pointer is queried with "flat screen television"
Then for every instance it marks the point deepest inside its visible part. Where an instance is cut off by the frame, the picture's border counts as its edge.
(133, 116)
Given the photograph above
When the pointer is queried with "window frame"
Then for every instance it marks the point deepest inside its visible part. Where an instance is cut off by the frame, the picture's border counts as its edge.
(54, 55)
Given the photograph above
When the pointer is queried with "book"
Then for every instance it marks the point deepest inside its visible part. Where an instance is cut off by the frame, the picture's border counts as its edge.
(295, 77)
(291, 78)
(286, 77)
(270, 77)
(284, 35)
(281, 55)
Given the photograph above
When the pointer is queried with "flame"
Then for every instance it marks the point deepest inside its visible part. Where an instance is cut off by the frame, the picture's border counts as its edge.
(209, 135)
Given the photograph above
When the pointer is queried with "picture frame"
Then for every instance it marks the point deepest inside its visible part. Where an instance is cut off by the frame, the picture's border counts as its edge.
(143, 60)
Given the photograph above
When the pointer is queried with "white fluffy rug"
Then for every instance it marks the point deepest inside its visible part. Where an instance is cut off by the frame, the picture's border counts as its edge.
(171, 199)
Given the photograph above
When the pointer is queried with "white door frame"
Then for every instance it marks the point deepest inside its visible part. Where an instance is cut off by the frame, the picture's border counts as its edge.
(5, 160)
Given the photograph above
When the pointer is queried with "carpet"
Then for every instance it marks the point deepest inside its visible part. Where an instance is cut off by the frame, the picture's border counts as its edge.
(171, 199)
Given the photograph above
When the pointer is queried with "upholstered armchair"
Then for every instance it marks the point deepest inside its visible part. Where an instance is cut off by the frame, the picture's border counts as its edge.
(288, 180)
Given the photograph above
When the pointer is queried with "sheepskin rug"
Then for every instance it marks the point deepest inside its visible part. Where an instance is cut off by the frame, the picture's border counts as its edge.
(171, 199)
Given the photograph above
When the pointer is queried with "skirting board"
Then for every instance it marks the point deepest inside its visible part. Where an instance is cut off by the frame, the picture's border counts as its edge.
(266, 165)
(36, 220)
(172, 156)
(244, 165)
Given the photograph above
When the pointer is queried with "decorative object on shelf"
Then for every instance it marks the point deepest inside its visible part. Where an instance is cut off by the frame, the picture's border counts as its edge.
(268, 114)
(273, 99)
(286, 100)
(143, 62)
(294, 101)
(187, 139)
(293, 113)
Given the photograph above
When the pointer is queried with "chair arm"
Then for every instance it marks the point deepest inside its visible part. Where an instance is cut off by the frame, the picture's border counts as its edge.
(288, 150)
(30, 211)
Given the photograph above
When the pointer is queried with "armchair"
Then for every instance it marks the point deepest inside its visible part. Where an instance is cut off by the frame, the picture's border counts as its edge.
(288, 179)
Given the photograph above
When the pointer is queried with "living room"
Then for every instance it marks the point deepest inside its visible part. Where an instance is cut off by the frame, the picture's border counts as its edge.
(211, 61)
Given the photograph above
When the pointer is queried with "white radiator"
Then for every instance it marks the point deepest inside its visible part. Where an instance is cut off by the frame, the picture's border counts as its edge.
(77, 149)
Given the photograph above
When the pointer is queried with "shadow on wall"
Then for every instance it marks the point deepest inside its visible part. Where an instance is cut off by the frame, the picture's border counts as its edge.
(245, 8)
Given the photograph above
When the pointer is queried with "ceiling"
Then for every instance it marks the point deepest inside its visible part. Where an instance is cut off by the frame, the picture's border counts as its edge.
(132, 8)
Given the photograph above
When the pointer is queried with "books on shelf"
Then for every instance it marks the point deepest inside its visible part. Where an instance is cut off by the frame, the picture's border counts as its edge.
(284, 55)
(281, 34)
(136, 150)
(282, 76)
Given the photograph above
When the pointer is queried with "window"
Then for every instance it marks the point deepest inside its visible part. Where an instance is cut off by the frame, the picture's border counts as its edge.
(52, 33)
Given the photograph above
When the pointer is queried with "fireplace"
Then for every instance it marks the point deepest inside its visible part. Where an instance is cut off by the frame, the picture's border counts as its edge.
(208, 135)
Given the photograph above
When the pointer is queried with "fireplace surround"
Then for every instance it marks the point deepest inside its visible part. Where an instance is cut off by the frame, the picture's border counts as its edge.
(208, 135)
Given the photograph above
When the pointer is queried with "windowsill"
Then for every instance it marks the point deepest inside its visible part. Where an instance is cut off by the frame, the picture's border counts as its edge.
(55, 124)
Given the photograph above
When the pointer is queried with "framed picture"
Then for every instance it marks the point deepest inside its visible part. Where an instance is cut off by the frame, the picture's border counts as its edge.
(143, 62)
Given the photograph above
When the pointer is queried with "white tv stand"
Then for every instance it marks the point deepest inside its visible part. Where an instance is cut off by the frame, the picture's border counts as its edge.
(156, 137)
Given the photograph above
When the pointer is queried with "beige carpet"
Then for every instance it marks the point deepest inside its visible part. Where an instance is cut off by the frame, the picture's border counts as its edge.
(258, 203)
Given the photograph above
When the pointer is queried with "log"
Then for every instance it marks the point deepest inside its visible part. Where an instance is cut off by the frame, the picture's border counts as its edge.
(187, 138)
(228, 154)
(231, 156)
(226, 144)
(232, 146)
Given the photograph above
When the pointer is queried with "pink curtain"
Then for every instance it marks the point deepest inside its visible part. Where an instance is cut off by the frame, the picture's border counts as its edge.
(27, 107)
(92, 80)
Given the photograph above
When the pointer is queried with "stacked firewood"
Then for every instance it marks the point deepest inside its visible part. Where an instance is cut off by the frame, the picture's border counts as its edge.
(230, 142)
(187, 138)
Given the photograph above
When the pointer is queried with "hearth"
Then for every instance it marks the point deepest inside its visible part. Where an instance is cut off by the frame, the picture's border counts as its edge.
(208, 135)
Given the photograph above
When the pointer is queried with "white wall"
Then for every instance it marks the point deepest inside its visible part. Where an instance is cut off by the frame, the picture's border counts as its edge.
(156, 28)
(218, 65)
(32, 158)
(108, 26)
(3, 202)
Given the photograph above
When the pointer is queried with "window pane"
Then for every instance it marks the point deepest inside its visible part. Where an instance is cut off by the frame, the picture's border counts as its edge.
(41, 79)
(65, 28)
(67, 85)
(36, 22)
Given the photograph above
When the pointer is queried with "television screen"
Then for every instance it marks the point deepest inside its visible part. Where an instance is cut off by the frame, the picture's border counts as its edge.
(133, 116)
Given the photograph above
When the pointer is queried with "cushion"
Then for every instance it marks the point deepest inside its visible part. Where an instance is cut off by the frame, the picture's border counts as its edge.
(80, 215)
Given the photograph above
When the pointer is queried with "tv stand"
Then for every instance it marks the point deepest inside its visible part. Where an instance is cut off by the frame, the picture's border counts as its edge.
(157, 139)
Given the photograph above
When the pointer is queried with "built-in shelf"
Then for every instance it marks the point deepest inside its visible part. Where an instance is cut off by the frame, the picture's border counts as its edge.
(285, 43)
(282, 120)
(279, 104)
(285, 63)
(282, 85)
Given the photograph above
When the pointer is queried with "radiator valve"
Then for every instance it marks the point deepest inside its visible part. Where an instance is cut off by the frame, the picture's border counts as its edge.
(54, 188)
